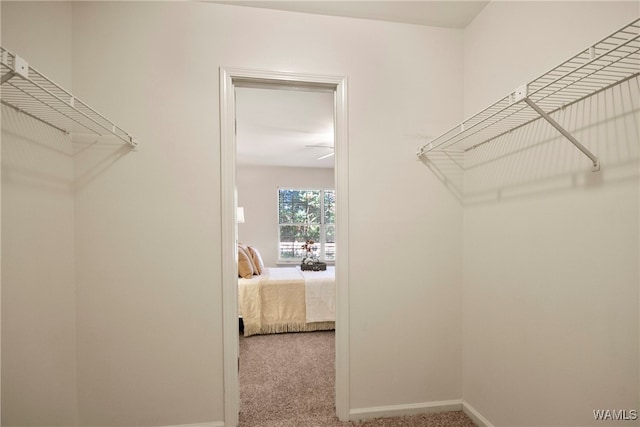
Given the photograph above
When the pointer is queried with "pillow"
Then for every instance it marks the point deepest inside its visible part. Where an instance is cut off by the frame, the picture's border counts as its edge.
(246, 249)
(245, 266)
(256, 259)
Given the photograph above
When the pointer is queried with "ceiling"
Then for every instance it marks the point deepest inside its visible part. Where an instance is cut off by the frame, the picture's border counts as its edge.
(284, 127)
(449, 14)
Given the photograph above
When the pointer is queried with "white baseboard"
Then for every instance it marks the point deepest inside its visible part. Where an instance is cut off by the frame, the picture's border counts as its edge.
(475, 416)
(401, 410)
(210, 424)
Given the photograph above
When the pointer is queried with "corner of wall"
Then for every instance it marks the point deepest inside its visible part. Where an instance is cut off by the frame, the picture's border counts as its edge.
(405, 410)
(475, 416)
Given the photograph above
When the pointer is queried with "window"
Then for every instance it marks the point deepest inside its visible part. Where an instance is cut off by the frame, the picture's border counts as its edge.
(306, 215)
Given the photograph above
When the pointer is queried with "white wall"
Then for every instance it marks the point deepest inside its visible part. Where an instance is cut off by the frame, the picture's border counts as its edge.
(38, 301)
(0, 247)
(551, 267)
(258, 194)
(147, 223)
(551, 258)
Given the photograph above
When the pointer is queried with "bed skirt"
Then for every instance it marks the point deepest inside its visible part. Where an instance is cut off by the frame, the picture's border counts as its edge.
(281, 328)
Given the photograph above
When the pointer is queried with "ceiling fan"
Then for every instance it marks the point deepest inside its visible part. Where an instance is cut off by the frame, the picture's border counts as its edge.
(324, 156)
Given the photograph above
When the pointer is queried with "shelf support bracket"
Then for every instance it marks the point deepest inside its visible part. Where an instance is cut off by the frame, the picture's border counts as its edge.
(594, 160)
(21, 111)
(8, 76)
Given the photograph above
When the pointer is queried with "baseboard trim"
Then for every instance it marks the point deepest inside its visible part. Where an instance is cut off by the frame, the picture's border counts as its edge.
(210, 424)
(475, 416)
(400, 410)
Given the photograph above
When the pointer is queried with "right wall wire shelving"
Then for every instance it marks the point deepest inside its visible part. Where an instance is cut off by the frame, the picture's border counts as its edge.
(604, 64)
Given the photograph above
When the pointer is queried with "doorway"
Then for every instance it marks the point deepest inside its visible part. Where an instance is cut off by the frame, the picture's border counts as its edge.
(230, 78)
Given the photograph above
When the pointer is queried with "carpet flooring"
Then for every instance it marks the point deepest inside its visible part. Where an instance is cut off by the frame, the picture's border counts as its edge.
(287, 380)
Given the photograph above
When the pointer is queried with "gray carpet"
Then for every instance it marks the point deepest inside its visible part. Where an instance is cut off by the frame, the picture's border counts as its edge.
(287, 380)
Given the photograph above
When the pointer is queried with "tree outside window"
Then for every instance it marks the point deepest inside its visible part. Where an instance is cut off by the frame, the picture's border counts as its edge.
(306, 214)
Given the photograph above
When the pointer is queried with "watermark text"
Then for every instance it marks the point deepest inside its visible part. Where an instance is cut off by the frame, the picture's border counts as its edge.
(615, 414)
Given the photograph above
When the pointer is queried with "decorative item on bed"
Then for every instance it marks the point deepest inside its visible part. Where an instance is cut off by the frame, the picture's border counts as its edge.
(310, 260)
(283, 299)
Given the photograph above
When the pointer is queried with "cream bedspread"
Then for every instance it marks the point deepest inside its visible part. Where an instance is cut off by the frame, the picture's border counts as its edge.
(320, 295)
(287, 300)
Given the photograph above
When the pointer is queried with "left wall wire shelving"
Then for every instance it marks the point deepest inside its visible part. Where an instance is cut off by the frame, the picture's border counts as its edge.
(29, 92)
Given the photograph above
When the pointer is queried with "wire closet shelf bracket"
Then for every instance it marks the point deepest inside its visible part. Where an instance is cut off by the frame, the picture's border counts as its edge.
(605, 64)
(29, 92)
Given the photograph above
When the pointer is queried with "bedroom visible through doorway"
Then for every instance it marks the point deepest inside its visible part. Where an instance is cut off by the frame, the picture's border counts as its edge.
(280, 137)
(285, 172)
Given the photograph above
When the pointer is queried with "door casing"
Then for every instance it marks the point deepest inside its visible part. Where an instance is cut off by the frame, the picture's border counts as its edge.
(229, 79)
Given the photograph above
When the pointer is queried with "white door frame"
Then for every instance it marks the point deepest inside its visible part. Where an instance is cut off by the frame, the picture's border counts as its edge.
(229, 77)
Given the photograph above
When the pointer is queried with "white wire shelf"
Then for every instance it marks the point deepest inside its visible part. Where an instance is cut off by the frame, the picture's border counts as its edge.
(30, 92)
(607, 63)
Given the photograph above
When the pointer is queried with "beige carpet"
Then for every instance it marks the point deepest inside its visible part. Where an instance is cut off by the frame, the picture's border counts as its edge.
(287, 380)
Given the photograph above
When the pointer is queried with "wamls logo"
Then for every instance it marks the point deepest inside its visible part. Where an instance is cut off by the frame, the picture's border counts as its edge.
(615, 414)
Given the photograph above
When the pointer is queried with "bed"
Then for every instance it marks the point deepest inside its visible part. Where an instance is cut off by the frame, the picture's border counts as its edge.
(287, 299)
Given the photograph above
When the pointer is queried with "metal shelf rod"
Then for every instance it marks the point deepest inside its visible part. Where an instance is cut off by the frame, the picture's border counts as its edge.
(33, 116)
(586, 75)
(67, 104)
(537, 117)
(52, 108)
(47, 93)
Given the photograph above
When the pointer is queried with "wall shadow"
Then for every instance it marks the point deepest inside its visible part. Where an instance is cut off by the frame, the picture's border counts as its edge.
(38, 156)
(35, 155)
(98, 155)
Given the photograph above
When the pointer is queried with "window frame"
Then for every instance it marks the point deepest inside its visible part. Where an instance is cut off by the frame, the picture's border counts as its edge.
(323, 225)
